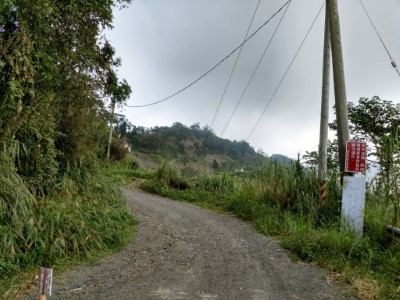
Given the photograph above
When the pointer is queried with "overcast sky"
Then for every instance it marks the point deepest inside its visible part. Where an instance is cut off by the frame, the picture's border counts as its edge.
(166, 44)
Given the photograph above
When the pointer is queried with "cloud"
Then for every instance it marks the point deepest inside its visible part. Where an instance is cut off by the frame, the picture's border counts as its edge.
(165, 45)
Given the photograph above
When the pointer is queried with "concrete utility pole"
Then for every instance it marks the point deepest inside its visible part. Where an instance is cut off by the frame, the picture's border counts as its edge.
(340, 87)
(110, 133)
(323, 129)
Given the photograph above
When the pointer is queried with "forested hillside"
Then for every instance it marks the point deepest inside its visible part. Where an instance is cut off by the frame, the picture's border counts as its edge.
(193, 144)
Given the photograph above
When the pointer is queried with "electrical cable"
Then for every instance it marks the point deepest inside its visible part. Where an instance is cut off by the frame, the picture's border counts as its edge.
(286, 72)
(255, 71)
(392, 62)
(234, 66)
(214, 67)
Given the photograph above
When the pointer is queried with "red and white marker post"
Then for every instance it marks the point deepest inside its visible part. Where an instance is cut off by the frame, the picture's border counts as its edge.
(353, 197)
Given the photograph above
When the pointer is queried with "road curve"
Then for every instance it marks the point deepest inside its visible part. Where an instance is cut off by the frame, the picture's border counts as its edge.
(184, 252)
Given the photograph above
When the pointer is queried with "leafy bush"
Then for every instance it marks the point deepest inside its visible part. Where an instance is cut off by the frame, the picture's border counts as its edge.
(134, 165)
(117, 150)
(170, 176)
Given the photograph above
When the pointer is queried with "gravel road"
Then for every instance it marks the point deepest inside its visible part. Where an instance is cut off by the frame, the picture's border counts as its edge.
(184, 252)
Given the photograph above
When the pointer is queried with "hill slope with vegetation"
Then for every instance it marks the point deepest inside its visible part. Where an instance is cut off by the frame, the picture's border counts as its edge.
(192, 148)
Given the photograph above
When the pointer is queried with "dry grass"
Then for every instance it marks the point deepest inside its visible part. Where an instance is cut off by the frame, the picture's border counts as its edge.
(367, 288)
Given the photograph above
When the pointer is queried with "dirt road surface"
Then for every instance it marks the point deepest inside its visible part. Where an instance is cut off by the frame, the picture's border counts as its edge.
(184, 252)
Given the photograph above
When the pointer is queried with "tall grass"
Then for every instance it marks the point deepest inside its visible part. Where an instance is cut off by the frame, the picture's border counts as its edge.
(82, 215)
(220, 183)
(16, 216)
(283, 200)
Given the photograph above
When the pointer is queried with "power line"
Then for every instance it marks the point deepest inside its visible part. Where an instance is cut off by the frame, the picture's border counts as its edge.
(286, 72)
(255, 70)
(219, 63)
(393, 63)
(234, 66)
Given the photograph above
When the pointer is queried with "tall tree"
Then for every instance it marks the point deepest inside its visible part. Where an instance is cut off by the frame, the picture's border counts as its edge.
(54, 66)
(120, 92)
(376, 121)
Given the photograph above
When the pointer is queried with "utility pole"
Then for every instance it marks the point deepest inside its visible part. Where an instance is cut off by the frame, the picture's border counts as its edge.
(323, 129)
(353, 188)
(339, 82)
(111, 131)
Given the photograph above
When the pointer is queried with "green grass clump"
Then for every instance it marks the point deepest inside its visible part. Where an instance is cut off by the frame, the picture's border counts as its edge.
(215, 183)
(345, 252)
(126, 169)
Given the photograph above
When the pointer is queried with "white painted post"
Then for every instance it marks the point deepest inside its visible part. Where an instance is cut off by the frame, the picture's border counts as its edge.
(353, 202)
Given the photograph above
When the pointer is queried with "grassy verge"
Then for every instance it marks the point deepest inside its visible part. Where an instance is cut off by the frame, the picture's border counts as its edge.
(81, 219)
(282, 201)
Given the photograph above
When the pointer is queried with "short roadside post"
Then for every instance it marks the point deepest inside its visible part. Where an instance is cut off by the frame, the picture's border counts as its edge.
(353, 197)
(45, 282)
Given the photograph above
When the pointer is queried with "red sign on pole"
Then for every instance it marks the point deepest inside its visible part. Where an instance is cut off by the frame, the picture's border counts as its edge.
(356, 154)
